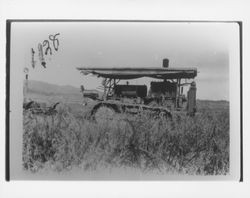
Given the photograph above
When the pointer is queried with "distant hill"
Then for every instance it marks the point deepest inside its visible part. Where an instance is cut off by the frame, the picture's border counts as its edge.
(212, 104)
(51, 89)
(42, 91)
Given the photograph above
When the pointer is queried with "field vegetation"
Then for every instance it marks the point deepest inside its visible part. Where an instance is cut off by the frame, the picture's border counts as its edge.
(196, 145)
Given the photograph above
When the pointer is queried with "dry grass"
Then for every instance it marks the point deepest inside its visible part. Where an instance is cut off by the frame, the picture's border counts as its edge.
(183, 145)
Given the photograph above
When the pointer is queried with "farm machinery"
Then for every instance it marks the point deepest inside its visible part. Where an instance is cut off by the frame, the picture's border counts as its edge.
(35, 107)
(164, 96)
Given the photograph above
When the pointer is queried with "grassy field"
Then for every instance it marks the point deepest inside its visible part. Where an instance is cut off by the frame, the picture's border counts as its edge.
(184, 145)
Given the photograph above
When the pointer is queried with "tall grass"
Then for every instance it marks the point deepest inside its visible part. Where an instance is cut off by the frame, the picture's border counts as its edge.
(183, 145)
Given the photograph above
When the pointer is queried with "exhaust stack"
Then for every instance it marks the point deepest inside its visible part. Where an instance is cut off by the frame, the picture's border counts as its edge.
(165, 63)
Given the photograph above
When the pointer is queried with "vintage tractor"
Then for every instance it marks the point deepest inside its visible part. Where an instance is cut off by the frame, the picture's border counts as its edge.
(164, 97)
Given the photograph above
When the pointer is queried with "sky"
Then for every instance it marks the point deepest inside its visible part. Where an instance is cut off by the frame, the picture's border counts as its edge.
(205, 46)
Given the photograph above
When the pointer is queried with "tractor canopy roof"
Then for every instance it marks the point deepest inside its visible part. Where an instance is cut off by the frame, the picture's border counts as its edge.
(139, 72)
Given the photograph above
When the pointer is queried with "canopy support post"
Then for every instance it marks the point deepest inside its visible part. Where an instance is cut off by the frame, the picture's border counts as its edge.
(177, 93)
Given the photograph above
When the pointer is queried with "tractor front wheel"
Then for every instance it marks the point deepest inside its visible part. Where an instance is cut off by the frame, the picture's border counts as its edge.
(104, 114)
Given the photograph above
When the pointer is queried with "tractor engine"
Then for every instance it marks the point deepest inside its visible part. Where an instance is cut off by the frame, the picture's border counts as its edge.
(165, 88)
(130, 91)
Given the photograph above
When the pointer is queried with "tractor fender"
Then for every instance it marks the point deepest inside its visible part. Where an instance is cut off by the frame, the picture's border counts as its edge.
(105, 104)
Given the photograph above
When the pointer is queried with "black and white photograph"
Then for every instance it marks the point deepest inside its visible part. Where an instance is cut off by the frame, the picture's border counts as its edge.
(124, 100)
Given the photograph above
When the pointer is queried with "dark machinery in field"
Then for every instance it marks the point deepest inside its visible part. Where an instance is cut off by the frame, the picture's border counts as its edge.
(35, 107)
(39, 108)
(164, 96)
